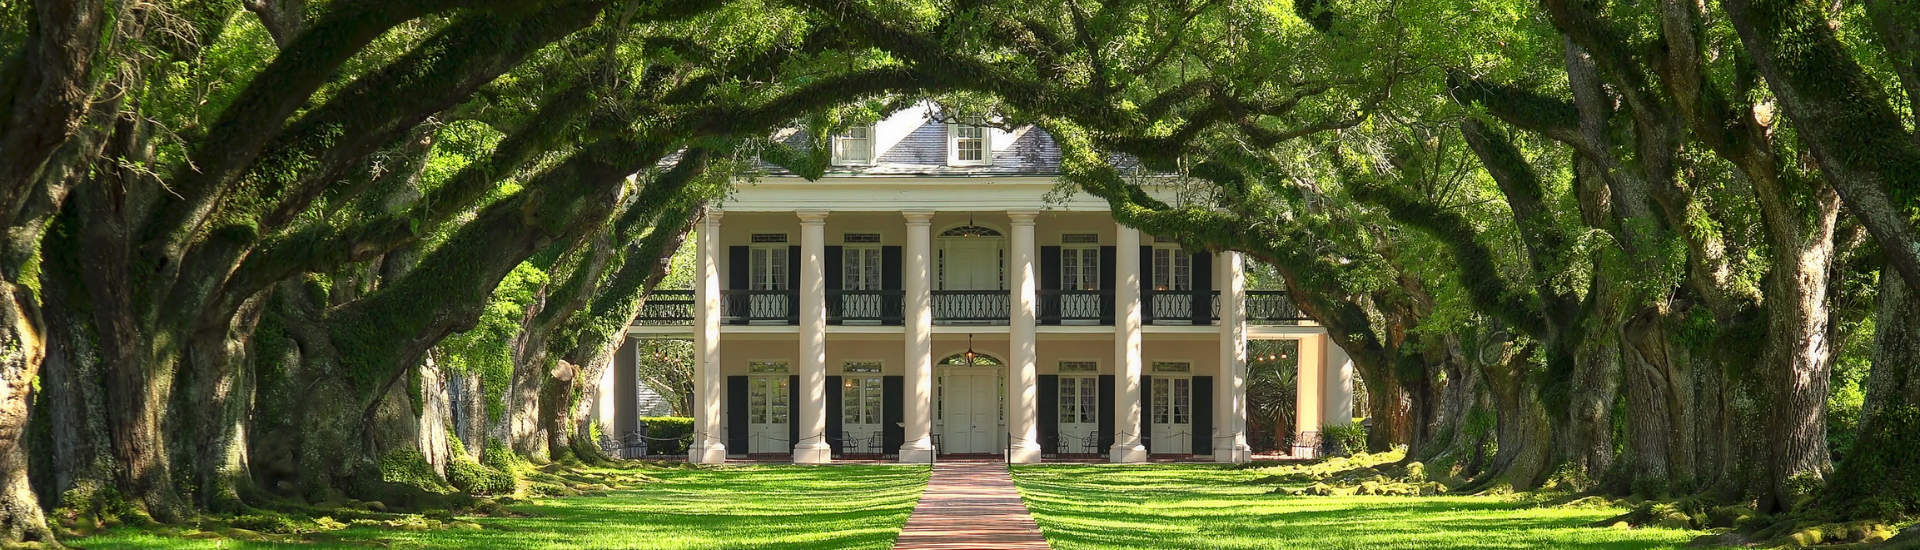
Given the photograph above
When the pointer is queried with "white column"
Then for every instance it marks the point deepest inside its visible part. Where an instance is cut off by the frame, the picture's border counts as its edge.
(917, 278)
(1230, 388)
(1313, 357)
(1337, 407)
(812, 447)
(1126, 349)
(1023, 394)
(710, 445)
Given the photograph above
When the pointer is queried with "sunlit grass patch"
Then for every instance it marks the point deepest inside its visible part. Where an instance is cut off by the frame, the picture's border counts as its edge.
(1202, 506)
(747, 507)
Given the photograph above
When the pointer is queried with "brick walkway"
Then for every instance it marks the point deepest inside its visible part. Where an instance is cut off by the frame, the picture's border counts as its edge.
(970, 505)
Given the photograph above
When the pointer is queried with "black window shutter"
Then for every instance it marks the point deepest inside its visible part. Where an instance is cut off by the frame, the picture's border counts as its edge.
(836, 427)
(1203, 415)
(1202, 288)
(1146, 414)
(737, 415)
(1108, 412)
(793, 284)
(1146, 284)
(793, 411)
(1108, 258)
(892, 311)
(1049, 404)
(835, 280)
(737, 279)
(1049, 280)
(893, 411)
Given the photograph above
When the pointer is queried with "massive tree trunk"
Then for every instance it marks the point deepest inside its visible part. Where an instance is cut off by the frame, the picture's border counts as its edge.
(1878, 476)
(24, 344)
(1522, 428)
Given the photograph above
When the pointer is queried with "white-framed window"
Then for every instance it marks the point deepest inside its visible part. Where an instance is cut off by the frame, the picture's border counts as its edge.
(1172, 269)
(860, 400)
(854, 147)
(1079, 366)
(1080, 267)
(860, 367)
(1172, 400)
(969, 145)
(1079, 399)
(767, 267)
(767, 367)
(1179, 367)
(860, 266)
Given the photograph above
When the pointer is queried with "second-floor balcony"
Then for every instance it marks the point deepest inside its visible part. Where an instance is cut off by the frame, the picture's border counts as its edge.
(968, 307)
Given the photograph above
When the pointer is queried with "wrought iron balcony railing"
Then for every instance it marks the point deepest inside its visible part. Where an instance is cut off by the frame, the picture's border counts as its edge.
(971, 307)
(1180, 307)
(667, 307)
(758, 307)
(1272, 306)
(854, 307)
(1076, 307)
(983, 307)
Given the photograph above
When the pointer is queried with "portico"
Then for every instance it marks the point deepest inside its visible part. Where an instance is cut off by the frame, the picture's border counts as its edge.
(904, 308)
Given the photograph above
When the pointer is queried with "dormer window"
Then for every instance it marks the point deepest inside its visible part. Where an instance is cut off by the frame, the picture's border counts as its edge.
(854, 147)
(969, 146)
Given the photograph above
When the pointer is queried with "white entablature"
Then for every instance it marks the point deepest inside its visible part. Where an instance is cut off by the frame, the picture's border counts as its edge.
(893, 194)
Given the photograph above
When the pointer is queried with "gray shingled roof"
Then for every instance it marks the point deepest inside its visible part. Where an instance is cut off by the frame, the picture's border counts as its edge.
(924, 153)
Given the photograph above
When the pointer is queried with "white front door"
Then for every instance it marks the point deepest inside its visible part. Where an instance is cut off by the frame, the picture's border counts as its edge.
(1171, 412)
(767, 415)
(860, 414)
(1079, 414)
(970, 413)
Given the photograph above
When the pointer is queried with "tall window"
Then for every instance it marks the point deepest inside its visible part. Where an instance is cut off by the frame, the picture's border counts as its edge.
(1080, 268)
(862, 268)
(860, 400)
(1079, 399)
(768, 267)
(1172, 269)
(854, 147)
(969, 144)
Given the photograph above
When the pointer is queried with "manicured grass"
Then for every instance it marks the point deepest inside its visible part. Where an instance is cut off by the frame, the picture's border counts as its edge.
(830, 508)
(1203, 506)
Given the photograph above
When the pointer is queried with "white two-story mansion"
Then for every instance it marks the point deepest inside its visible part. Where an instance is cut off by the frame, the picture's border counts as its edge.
(926, 299)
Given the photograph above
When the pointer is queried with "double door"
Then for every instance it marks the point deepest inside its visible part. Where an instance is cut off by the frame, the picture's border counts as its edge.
(1170, 409)
(1079, 400)
(860, 425)
(767, 414)
(971, 413)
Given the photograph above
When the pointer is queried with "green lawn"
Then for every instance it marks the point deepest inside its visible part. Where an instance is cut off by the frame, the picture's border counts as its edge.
(832, 508)
(1202, 506)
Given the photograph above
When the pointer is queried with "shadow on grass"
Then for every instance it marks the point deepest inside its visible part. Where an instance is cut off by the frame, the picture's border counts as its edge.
(834, 507)
(1201, 506)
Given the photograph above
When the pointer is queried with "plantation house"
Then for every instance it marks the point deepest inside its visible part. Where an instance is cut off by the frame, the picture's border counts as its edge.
(928, 297)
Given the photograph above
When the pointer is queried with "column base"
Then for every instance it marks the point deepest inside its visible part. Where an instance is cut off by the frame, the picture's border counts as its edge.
(1239, 454)
(919, 452)
(1028, 455)
(713, 453)
(1304, 452)
(1127, 454)
(812, 453)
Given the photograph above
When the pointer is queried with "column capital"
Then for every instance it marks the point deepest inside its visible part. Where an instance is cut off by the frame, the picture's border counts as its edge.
(713, 215)
(1023, 217)
(918, 217)
(812, 216)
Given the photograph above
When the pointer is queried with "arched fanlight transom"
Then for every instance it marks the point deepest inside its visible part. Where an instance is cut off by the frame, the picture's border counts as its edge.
(979, 360)
(970, 231)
